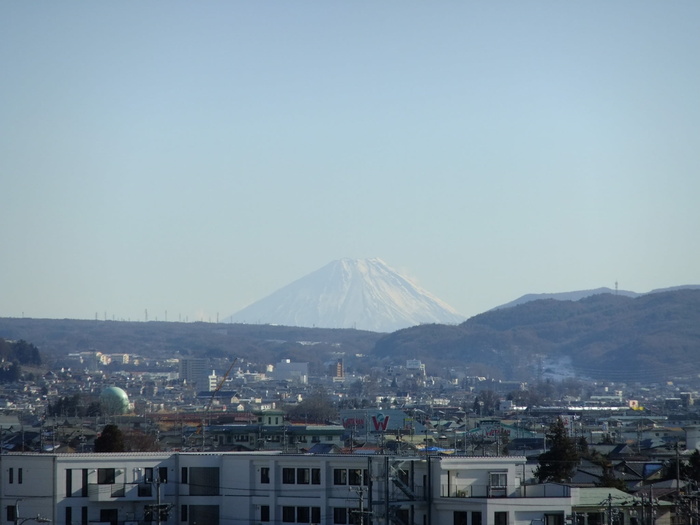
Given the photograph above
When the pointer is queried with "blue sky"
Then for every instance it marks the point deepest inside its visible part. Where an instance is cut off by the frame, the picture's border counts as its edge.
(195, 157)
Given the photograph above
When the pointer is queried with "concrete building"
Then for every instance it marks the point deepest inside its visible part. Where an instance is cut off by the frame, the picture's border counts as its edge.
(270, 487)
(194, 371)
(245, 488)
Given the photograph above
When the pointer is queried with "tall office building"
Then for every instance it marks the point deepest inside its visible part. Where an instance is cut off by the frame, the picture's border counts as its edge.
(194, 370)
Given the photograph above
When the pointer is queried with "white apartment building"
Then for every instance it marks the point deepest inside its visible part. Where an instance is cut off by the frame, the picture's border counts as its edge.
(276, 488)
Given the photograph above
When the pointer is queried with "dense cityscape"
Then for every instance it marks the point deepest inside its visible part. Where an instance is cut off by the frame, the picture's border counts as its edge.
(484, 444)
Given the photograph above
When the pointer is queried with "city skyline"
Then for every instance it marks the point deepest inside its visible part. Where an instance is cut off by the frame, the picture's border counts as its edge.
(195, 159)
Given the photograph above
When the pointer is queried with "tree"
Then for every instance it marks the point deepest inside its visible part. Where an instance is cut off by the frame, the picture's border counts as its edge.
(316, 408)
(608, 479)
(559, 462)
(141, 442)
(110, 440)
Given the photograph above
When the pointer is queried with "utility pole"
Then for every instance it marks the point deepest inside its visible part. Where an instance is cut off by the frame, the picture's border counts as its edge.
(361, 512)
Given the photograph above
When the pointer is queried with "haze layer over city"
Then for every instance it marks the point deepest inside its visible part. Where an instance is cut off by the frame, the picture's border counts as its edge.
(182, 161)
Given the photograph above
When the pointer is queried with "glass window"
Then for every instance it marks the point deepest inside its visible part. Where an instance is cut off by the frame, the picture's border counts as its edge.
(163, 474)
(315, 514)
(148, 475)
(19, 476)
(315, 476)
(265, 475)
(340, 477)
(303, 476)
(340, 515)
(554, 519)
(476, 518)
(288, 476)
(11, 475)
(303, 515)
(69, 482)
(498, 479)
(500, 518)
(106, 476)
(183, 475)
(265, 513)
(459, 517)
(288, 514)
(84, 488)
(355, 476)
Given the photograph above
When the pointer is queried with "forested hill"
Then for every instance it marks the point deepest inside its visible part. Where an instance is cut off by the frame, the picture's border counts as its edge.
(56, 338)
(647, 338)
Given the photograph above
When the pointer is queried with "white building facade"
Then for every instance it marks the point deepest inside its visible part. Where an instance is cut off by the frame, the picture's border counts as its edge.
(272, 487)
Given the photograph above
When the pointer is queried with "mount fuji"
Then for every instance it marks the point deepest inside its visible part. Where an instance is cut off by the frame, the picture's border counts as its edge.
(350, 293)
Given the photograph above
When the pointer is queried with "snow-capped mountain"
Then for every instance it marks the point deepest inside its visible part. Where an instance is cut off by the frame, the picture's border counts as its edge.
(350, 293)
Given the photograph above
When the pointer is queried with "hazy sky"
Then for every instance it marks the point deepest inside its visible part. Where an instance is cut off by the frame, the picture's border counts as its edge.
(194, 157)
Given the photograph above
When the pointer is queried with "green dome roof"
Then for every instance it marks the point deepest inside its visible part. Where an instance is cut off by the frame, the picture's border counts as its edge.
(114, 401)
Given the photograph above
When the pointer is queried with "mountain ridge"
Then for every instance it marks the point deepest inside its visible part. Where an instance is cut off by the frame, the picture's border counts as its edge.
(604, 336)
(365, 294)
(581, 294)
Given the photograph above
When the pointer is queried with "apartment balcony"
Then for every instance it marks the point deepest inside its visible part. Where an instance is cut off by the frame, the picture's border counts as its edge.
(121, 492)
(508, 491)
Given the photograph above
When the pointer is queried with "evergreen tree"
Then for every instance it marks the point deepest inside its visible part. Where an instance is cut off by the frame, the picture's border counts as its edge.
(110, 440)
(559, 462)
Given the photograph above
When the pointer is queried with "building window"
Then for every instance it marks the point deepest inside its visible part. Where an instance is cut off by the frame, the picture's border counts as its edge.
(265, 513)
(148, 475)
(498, 479)
(498, 483)
(69, 483)
(84, 516)
(106, 476)
(355, 476)
(340, 476)
(19, 476)
(476, 517)
(288, 514)
(303, 515)
(265, 475)
(340, 515)
(315, 514)
(459, 517)
(163, 474)
(183, 475)
(303, 476)
(288, 476)
(11, 513)
(315, 476)
(554, 519)
(69, 515)
(11, 475)
(84, 488)
(183, 512)
(500, 518)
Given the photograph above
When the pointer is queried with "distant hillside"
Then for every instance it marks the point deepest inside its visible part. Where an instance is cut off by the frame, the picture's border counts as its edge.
(648, 338)
(261, 344)
(580, 294)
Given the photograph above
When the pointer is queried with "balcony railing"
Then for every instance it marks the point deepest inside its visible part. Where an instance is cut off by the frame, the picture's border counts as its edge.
(509, 491)
(121, 492)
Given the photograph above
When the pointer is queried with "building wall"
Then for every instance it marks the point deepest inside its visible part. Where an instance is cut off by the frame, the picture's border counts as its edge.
(240, 488)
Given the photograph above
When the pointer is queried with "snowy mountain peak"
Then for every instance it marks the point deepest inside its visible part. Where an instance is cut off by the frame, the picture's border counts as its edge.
(350, 293)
